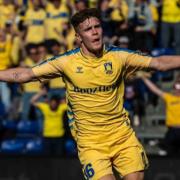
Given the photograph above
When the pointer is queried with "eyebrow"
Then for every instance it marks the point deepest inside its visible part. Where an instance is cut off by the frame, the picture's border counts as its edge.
(89, 27)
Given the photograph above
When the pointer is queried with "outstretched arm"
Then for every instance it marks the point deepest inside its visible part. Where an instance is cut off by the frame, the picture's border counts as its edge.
(164, 63)
(152, 87)
(19, 75)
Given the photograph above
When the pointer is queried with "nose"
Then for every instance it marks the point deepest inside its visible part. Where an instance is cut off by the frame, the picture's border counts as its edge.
(94, 31)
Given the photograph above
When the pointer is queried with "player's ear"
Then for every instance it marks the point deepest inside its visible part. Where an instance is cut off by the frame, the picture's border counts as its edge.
(78, 38)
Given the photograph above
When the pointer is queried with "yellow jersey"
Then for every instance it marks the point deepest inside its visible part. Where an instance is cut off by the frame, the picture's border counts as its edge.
(154, 12)
(35, 21)
(16, 47)
(5, 53)
(55, 83)
(7, 13)
(171, 11)
(119, 13)
(53, 120)
(55, 19)
(94, 87)
(172, 109)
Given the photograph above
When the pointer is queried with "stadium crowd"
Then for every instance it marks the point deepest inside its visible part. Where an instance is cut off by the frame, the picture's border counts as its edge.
(35, 30)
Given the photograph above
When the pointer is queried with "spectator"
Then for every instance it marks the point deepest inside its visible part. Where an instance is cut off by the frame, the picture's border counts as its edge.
(119, 17)
(5, 50)
(5, 63)
(57, 86)
(140, 19)
(7, 14)
(66, 38)
(53, 127)
(170, 24)
(12, 31)
(29, 89)
(134, 101)
(155, 8)
(171, 142)
(42, 51)
(120, 12)
(105, 10)
(57, 13)
(80, 5)
(34, 21)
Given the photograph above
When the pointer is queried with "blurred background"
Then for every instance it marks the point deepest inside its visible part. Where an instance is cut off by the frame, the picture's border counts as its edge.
(35, 140)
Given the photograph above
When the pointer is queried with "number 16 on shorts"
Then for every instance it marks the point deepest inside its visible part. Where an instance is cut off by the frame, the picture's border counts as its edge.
(88, 171)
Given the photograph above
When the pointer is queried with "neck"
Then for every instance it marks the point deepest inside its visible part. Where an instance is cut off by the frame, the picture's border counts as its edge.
(93, 54)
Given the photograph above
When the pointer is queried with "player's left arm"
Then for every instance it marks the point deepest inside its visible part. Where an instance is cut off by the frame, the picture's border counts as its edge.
(164, 63)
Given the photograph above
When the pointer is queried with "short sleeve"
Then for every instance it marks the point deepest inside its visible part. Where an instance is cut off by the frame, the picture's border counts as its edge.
(134, 61)
(48, 70)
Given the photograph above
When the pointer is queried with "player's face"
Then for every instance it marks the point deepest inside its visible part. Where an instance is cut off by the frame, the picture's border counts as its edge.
(89, 34)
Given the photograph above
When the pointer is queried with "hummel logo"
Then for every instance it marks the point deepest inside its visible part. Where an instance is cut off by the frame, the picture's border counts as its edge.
(79, 70)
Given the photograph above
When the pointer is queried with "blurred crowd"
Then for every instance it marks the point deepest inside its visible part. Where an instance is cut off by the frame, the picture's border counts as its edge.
(34, 30)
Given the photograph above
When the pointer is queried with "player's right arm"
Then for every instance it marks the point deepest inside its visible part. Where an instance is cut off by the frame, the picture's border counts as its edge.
(18, 75)
(152, 87)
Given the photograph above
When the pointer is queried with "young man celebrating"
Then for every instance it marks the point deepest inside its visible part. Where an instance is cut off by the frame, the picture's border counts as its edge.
(94, 76)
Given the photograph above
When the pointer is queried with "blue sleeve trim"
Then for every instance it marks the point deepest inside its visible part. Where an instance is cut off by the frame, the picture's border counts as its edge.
(115, 48)
(112, 48)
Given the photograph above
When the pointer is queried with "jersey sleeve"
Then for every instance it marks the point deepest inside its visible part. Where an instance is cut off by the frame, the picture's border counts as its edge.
(134, 62)
(48, 69)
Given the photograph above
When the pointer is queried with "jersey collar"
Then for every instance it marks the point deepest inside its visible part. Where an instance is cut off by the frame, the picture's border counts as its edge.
(105, 50)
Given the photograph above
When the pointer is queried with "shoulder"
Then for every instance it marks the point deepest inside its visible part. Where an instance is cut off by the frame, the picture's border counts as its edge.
(61, 57)
(111, 48)
(63, 106)
(65, 55)
(41, 104)
(167, 96)
(71, 52)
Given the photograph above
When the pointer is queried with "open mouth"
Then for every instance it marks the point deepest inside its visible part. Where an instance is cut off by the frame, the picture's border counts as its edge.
(97, 40)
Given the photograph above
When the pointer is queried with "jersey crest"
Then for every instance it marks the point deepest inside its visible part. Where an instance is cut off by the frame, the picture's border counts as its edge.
(108, 67)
